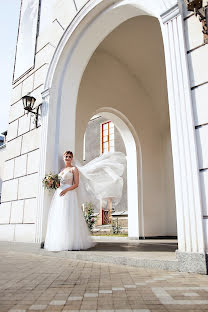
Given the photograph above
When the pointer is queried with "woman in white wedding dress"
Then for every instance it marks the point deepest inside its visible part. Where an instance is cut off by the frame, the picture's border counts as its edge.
(67, 229)
(100, 178)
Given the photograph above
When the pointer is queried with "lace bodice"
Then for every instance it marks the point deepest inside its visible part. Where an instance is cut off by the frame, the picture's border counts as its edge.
(66, 176)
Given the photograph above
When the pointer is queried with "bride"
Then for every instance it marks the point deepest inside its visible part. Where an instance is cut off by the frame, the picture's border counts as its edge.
(99, 179)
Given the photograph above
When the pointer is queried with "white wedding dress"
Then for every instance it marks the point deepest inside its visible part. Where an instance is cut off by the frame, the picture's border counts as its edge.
(99, 179)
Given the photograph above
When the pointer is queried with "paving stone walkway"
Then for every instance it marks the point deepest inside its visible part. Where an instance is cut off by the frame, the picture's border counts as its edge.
(156, 254)
(37, 282)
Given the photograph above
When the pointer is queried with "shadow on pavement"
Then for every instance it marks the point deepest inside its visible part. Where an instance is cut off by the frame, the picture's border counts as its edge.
(132, 247)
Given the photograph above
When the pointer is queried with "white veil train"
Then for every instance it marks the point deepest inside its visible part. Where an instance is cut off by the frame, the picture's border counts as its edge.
(101, 178)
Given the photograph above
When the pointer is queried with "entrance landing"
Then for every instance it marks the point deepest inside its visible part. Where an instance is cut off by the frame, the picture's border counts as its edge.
(158, 254)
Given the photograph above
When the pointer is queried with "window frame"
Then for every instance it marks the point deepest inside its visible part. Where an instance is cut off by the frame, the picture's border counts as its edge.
(108, 136)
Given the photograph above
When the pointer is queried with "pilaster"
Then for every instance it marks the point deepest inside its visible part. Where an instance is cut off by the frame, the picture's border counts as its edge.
(186, 173)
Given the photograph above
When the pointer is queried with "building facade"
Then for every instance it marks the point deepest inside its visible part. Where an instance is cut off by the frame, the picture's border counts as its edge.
(142, 65)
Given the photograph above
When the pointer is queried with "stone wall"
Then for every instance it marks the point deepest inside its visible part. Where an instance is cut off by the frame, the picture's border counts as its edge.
(19, 188)
(197, 53)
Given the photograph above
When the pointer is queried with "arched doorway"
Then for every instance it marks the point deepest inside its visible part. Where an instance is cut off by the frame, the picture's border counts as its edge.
(68, 65)
(134, 174)
(128, 75)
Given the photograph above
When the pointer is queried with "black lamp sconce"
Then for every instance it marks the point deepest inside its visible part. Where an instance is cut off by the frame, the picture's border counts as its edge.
(28, 104)
(200, 9)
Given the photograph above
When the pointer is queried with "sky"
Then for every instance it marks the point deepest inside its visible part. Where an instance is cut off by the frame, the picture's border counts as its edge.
(9, 19)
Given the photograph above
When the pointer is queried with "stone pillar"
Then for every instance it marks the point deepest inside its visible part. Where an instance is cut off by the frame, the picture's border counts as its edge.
(43, 196)
(191, 248)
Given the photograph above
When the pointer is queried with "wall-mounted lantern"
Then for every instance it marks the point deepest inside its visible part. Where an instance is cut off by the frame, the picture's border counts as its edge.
(200, 9)
(28, 104)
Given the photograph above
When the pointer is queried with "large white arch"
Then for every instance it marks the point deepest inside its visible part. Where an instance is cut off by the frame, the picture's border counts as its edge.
(79, 42)
(97, 12)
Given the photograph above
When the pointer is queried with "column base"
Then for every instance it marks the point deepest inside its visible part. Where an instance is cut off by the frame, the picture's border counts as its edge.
(192, 262)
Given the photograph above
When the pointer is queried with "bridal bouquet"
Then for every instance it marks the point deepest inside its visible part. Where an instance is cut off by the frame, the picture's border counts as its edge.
(51, 181)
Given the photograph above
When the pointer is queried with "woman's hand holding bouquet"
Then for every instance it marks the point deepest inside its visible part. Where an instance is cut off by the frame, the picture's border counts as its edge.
(51, 181)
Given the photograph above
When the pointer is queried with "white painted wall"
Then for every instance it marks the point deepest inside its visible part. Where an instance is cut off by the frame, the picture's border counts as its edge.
(169, 187)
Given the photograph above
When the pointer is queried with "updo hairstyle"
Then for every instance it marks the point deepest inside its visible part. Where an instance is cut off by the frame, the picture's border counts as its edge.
(68, 153)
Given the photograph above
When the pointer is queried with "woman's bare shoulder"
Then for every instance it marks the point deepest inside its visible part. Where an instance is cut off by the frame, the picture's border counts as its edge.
(75, 169)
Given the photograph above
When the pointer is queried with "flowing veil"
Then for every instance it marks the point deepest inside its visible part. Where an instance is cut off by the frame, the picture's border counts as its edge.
(101, 178)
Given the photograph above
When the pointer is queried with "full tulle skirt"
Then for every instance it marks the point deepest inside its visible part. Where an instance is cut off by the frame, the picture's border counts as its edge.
(66, 228)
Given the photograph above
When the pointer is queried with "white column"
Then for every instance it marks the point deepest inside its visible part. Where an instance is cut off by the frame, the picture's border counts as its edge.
(42, 166)
(186, 173)
(132, 193)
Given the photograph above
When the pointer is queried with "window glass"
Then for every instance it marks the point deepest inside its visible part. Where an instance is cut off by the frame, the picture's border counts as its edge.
(105, 145)
(105, 126)
(105, 139)
(111, 137)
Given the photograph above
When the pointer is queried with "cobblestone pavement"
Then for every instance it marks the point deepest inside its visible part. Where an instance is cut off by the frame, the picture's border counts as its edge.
(30, 282)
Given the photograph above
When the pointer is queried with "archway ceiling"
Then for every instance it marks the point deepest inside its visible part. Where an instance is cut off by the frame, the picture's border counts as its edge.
(138, 45)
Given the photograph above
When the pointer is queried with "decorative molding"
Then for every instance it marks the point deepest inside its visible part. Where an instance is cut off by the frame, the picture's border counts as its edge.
(170, 14)
(45, 94)
(97, 5)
